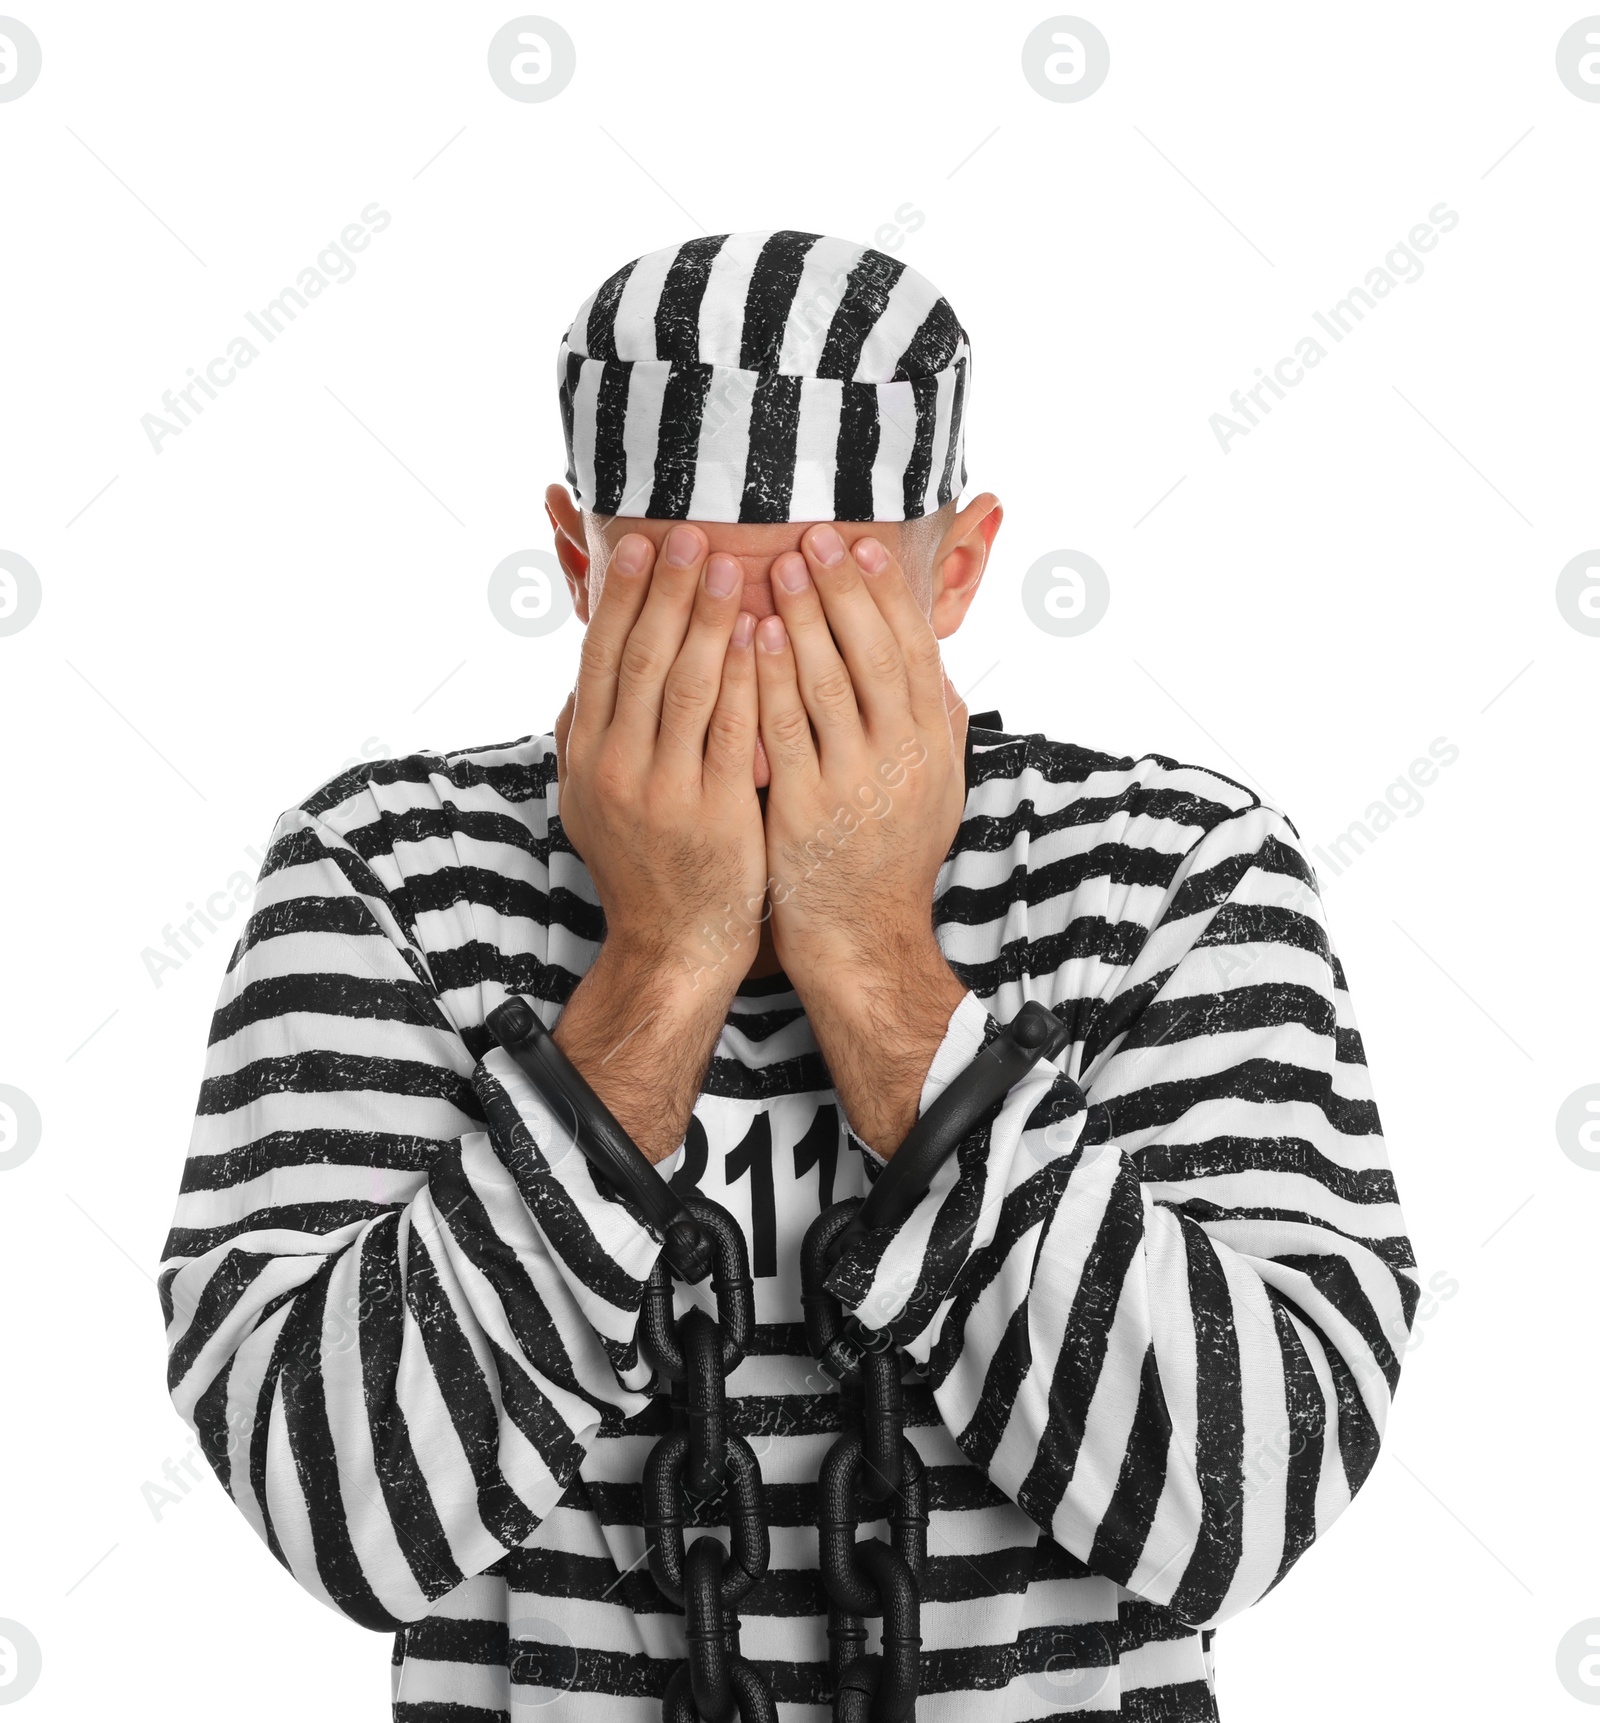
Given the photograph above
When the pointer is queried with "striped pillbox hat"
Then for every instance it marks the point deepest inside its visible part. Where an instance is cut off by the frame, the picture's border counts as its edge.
(765, 377)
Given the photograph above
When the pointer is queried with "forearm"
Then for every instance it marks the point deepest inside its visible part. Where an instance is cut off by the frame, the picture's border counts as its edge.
(878, 1023)
(641, 1037)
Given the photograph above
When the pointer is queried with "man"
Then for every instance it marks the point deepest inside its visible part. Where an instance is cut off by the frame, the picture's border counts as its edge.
(772, 890)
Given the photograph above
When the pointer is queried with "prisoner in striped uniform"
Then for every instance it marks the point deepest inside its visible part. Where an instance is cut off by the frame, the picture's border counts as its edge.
(1153, 1308)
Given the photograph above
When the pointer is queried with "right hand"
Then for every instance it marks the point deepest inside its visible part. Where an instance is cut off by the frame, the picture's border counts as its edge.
(655, 752)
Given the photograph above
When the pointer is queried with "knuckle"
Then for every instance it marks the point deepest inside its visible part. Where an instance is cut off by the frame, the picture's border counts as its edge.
(687, 690)
(726, 729)
(639, 659)
(923, 652)
(885, 659)
(593, 653)
(833, 688)
(790, 728)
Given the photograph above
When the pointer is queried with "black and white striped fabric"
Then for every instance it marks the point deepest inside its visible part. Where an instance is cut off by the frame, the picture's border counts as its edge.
(765, 377)
(1160, 1295)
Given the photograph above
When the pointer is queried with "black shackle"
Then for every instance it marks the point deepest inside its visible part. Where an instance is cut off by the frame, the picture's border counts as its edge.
(600, 1139)
(1035, 1033)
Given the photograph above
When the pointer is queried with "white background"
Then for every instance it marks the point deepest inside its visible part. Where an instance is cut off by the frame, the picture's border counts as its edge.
(300, 577)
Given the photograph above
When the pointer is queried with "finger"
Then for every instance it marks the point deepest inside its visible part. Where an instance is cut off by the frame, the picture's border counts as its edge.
(956, 712)
(785, 722)
(622, 597)
(653, 645)
(729, 767)
(563, 725)
(870, 650)
(824, 681)
(953, 702)
(694, 682)
(891, 592)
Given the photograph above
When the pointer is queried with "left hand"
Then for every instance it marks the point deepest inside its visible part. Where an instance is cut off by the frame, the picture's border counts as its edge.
(860, 820)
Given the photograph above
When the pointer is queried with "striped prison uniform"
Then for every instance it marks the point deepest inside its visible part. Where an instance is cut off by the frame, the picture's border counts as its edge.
(1160, 1292)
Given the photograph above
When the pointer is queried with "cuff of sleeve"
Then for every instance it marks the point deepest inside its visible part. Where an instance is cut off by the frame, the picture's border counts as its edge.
(602, 1250)
(900, 1277)
(965, 1037)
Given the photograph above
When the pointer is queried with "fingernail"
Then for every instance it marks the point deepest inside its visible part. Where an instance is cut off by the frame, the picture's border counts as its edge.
(744, 627)
(682, 547)
(722, 576)
(792, 573)
(826, 546)
(871, 555)
(632, 554)
(772, 633)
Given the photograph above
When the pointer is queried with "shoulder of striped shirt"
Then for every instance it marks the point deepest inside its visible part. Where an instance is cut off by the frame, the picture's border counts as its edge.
(520, 772)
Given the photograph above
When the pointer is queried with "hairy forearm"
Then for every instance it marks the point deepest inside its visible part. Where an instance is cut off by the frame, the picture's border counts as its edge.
(878, 1026)
(642, 1038)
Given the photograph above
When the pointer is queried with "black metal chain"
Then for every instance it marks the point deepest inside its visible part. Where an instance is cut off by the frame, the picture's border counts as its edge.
(872, 1471)
(701, 1460)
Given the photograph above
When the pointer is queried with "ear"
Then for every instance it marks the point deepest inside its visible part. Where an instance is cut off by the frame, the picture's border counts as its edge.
(960, 561)
(572, 551)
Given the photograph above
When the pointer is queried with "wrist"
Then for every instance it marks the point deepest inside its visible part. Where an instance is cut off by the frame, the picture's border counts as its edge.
(641, 1038)
(861, 995)
(708, 963)
(852, 966)
(879, 1031)
(639, 977)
